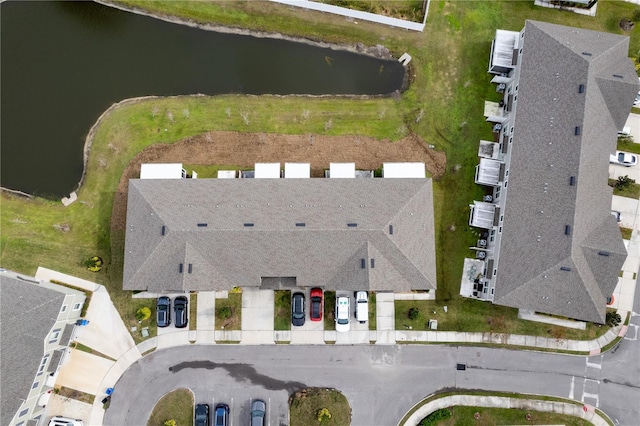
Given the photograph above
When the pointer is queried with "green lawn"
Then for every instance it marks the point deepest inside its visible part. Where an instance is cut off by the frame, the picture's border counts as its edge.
(329, 310)
(443, 105)
(193, 311)
(628, 145)
(472, 416)
(373, 319)
(632, 191)
(282, 311)
(305, 404)
(176, 405)
(234, 303)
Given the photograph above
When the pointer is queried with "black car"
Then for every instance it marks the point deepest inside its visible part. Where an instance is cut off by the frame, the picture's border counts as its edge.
(201, 415)
(163, 311)
(221, 415)
(180, 310)
(258, 410)
(297, 309)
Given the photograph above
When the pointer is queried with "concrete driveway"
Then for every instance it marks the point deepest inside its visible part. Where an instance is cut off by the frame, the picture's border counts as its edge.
(633, 122)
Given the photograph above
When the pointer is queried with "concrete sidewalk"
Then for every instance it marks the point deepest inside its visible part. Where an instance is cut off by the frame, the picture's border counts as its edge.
(585, 412)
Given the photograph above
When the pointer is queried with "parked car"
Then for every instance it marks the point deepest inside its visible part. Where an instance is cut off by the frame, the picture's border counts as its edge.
(297, 309)
(258, 411)
(623, 159)
(201, 416)
(316, 304)
(617, 215)
(64, 421)
(342, 314)
(626, 131)
(163, 311)
(362, 307)
(180, 310)
(221, 415)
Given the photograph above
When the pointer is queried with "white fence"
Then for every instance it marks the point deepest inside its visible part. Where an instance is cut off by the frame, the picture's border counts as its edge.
(356, 14)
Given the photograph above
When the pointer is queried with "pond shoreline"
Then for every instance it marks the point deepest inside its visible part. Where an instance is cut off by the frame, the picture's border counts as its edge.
(379, 51)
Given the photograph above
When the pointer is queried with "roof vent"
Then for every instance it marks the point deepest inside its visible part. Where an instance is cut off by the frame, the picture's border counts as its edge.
(618, 76)
(202, 225)
(352, 225)
(581, 88)
(363, 263)
(604, 253)
(190, 269)
(164, 230)
(572, 181)
(180, 268)
(567, 230)
(390, 229)
(373, 263)
(586, 53)
(565, 268)
(577, 131)
(301, 224)
(248, 225)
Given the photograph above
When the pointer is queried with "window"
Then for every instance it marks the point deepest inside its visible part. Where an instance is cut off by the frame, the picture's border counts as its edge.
(506, 173)
(500, 230)
(506, 183)
(35, 385)
(501, 218)
(54, 335)
(485, 289)
(63, 309)
(43, 363)
(492, 290)
(77, 306)
(23, 412)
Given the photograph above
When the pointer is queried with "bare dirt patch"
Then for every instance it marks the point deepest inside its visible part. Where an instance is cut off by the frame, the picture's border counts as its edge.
(246, 149)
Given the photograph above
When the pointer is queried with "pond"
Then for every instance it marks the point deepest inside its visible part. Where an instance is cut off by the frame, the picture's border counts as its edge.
(64, 63)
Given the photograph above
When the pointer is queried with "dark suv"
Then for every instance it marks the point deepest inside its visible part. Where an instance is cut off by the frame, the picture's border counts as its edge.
(201, 415)
(163, 311)
(180, 309)
(221, 415)
(297, 309)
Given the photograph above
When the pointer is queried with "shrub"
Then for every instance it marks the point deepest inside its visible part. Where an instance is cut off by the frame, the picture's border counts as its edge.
(413, 313)
(170, 422)
(324, 415)
(143, 313)
(94, 263)
(624, 182)
(224, 312)
(435, 417)
(613, 319)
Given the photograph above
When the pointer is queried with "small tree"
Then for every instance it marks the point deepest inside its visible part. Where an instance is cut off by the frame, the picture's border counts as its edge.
(143, 313)
(170, 422)
(414, 313)
(624, 182)
(224, 312)
(324, 415)
(613, 319)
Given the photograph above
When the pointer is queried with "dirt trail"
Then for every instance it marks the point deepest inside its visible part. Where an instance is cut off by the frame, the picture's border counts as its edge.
(246, 149)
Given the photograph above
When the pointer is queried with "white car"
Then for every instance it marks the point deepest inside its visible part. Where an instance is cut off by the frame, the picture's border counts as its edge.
(623, 159)
(342, 314)
(64, 421)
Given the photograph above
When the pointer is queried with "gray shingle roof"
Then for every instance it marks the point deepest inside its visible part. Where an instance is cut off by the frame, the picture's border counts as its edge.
(27, 314)
(541, 205)
(324, 252)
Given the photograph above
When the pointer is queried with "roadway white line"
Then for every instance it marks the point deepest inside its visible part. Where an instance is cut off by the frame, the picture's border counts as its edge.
(573, 379)
(592, 396)
(269, 412)
(593, 364)
(635, 328)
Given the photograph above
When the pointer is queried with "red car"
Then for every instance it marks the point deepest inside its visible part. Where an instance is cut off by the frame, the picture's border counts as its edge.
(316, 304)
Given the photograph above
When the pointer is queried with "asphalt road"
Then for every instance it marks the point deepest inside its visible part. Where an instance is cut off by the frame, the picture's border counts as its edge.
(381, 382)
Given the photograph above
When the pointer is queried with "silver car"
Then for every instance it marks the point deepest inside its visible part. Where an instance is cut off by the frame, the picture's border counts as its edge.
(258, 411)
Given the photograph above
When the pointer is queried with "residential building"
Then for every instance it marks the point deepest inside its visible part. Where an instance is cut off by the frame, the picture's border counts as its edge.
(37, 320)
(549, 243)
(340, 234)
